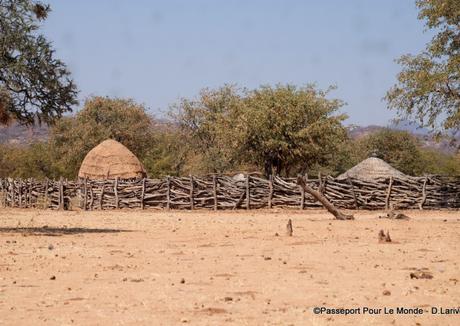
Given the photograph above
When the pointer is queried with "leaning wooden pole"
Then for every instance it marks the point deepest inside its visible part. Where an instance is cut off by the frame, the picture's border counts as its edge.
(323, 200)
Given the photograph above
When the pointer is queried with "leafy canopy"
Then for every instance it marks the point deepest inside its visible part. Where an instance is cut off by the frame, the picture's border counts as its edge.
(212, 128)
(290, 129)
(281, 129)
(428, 88)
(101, 118)
(33, 83)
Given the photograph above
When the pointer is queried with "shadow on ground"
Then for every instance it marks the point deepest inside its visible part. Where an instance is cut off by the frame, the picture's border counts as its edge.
(53, 231)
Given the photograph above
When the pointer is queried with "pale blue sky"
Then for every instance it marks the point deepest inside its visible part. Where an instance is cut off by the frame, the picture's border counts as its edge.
(158, 51)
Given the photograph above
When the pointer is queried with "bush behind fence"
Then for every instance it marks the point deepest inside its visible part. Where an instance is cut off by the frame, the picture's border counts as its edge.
(220, 192)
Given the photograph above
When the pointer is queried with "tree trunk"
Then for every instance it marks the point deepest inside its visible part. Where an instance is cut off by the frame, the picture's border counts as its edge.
(323, 200)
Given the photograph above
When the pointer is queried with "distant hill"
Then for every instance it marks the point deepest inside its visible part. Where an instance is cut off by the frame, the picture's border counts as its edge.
(22, 135)
(447, 146)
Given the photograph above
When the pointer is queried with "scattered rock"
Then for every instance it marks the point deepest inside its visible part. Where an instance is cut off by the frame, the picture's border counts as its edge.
(386, 292)
(53, 278)
(395, 216)
(289, 228)
(182, 281)
(267, 258)
(50, 247)
(227, 299)
(276, 234)
(213, 311)
(384, 237)
(421, 275)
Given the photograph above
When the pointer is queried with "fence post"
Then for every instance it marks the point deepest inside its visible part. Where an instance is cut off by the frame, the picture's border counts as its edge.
(1, 190)
(214, 190)
(11, 188)
(20, 193)
(26, 193)
(302, 197)
(85, 198)
(29, 193)
(248, 193)
(353, 192)
(45, 205)
(13, 193)
(115, 192)
(91, 197)
(192, 185)
(324, 185)
(387, 199)
(61, 194)
(423, 200)
(65, 187)
(168, 193)
(143, 193)
(270, 191)
(321, 185)
(6, 192)
(101, 199)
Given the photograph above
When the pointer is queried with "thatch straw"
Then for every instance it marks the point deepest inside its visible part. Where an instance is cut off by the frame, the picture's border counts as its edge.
(372, 168)
(110, 160)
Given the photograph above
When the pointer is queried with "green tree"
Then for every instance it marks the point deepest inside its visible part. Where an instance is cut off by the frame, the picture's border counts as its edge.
(101, 118)
(428, 88)
(27, 161)
(212, 128)
(438, 163)
(290, 129)
(33, 83)
(168, 153)
(281, 129)
(399, 148)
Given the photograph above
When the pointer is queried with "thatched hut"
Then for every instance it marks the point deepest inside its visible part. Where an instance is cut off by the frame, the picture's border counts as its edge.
(110, 160)
(370, 169)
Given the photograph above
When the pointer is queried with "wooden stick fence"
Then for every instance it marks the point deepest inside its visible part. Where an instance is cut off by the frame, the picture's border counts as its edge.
(219, 192)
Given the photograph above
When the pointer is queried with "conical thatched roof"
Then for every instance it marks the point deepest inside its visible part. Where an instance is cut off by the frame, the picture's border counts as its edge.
(372, 168)
(110, 160)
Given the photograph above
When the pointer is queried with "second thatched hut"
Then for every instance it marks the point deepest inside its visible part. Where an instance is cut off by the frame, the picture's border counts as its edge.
(370, 169)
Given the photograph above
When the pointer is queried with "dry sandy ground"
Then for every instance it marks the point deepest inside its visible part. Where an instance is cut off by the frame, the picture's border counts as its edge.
(223, 268)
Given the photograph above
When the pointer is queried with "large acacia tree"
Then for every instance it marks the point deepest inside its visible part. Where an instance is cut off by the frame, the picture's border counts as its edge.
(290, 129)
(428, 88)
(34, 84)
(278, 130)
